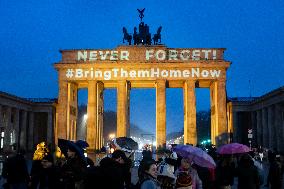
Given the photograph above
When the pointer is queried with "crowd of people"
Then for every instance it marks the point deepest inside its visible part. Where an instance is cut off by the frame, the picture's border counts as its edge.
(114, 172)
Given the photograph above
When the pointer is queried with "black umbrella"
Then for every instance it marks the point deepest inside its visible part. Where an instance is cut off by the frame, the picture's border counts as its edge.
(64, 145)
(126, 143)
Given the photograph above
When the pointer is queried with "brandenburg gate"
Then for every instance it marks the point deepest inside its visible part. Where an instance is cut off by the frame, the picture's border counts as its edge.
(137, 66)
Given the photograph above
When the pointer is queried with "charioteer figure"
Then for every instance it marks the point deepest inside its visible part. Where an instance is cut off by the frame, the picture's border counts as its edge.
(143, 35)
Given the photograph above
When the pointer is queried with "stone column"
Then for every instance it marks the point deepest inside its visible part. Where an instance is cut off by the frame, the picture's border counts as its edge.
(230, 120)
(1, 118)
(213, 102)
(259, 128)
(122, 109)
(8, 129)
(221, 115)
(49, 127)
(92, 115)
(16, 127)
(31, 131)
(235, 123)
(62, 110)
(100, 111)
(270, 125)
(23, 125)
(254, 128)
(264, 127)
(160, 113)
(220, 128)
(190, 133)
(279, 128)
(1, 125)
(72, 110)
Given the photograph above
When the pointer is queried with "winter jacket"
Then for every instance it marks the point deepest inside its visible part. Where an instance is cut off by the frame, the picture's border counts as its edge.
(148, 182)
(248, 177)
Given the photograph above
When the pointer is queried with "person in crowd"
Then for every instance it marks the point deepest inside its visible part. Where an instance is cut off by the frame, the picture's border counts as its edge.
(74, 170)
(248, 177)
(275, 175)
(259, 167)
(48, 175)
(35, 172)
(115, 172)
(185, 166)
(260, 153)
(225, 173)
(147, 155)
(183, 181)
(15, 171)
(206, 175)
(173, 160)
(166, 175)
(148, 177)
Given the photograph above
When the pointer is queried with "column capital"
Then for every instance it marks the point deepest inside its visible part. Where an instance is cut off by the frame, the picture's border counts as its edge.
(92, 82)
(190, 83)
(122, 81)
(160, 81)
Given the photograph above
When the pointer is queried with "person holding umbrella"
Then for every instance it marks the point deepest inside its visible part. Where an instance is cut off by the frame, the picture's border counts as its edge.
(47, 177)
(115, 171)
(148, 179)
(74, 170)
(225, 172)
(247, 173)
(185, 166)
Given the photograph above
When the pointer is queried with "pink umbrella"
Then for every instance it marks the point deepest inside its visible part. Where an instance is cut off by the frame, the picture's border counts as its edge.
(233, 148)
(197, 155)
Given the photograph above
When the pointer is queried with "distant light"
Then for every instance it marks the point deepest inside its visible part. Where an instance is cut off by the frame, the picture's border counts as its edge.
(154, 143)
(111, 136)
(111, 150)
(141, 145)
(85, 117)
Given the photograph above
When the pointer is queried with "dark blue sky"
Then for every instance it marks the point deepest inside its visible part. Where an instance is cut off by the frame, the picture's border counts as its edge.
(32, 32)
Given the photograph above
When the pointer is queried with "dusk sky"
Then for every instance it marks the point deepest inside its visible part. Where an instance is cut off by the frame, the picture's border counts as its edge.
(32, 33)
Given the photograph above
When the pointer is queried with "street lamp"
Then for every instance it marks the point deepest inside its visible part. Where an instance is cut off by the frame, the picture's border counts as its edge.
(111, 136)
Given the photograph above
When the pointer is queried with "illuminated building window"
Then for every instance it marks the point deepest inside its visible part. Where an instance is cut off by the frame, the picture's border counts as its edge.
(11, 138)
(2, 139)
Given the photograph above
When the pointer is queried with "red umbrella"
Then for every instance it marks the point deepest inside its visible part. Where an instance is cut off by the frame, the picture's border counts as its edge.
(233, 148)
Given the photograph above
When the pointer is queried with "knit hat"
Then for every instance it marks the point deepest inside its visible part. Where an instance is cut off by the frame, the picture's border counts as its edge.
(166, 170)
(119, 153)
(183, 180)
(174, 156)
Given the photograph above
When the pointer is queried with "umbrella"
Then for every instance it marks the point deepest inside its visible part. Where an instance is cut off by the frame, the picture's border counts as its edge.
(125, 144)
(233, 148)
(197, 155)
(82, 144)
(64, 145)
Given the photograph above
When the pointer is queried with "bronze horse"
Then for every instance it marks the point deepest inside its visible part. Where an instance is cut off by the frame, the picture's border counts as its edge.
(157, 36)
(126, 36)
